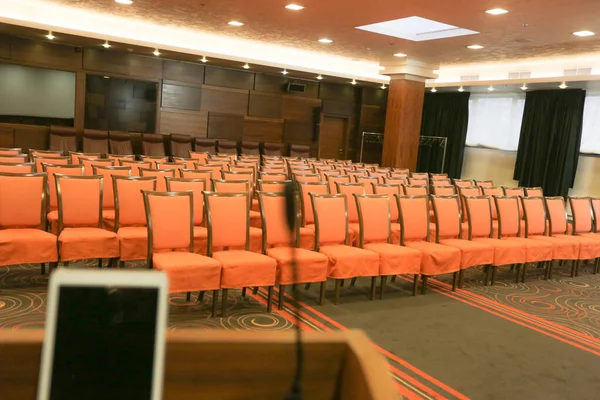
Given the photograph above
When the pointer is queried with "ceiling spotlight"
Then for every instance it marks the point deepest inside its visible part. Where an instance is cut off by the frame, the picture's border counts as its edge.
(106, 45)
(461, 89)
(50, 35)
(524, 87)
(319, 77)
(491, 88)
(583, 33)
(496, 11)
(156, 52)
(433, 90)
(106, 77)
(381, 67)
(126, 2)
(436, 71)
(203, 59)
(325, 40)
(353, 81)
(399, 55)
(563, 85)
(284, 71)
(235, 23)
(246, 66)
(475, 47)
(294, 7)
(383, 86)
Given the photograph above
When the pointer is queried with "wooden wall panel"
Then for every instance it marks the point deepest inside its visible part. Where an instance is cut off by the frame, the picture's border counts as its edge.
(4, 46)
(338, 107)
(278, 83)
(229, 78)
(7, 136)
(263, 130)
(49, 54)
(298, 132)
(374, 96)
(31, 137)
(194, 123)
(338, 91)
(262, 104)
(225, 126)
(181, 97)
(299, 109)
(372, 118)
(228, 101)
(183, 72)
(119, 63)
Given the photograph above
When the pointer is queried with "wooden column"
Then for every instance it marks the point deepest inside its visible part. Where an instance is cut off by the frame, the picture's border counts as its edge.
(403, 123)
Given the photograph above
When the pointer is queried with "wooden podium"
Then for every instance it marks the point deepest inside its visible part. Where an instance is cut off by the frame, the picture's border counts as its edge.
(232, 365)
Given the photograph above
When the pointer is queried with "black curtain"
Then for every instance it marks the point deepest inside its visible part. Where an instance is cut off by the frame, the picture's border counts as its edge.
(447, 115)
(550, 138)
(430, 156)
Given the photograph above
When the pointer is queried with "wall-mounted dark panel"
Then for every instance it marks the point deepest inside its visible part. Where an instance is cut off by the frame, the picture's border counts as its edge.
(298, 132)
(48, 54)
(119, 63)
(225, 126)
(277, 84)
(229, 78)
(31, 137)
(181, 97)
(183, 72)
(298, 108)
(374, 96)
(263, 130)
(337, 91)
(4, 46)
(7, 136)
(221, 100)
(338, 107)
(265, 105)
(372, 118)
(194, 123)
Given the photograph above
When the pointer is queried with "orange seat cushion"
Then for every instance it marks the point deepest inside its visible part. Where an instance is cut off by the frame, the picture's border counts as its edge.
(349, 262)
(394, 259)
(307, 238)
(24, 246)
(589, 248)
(436, 258)
(537, 250)
(255, 206)
(188, 272)
(108, 219)
(472, 253)
(245, 268)
(86, 243)
(396, 232)
(506, 252)
(562, 248)
(52, 218)
(133, 243)
(255, 220)
(312, 266)
(200, 240)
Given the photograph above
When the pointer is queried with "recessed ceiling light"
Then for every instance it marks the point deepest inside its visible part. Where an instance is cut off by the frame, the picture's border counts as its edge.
(284, 71)
(383, 87)
(399, 55)
(353, 81)
(294, 7)
(246, 66)
(106, 77)
(156, 52)
(126, 2)
(416, 29)
(524, 87)
(381, 67)
(563, 85)
(475, 47)
(50, 35)
(319, 77)
(433, 90)
(203, 59)
(461, 89)
(491, 88)
(325, 40)
(583, 33)
(236, 23)
(436, 71)
(496, 11)
(106, 45)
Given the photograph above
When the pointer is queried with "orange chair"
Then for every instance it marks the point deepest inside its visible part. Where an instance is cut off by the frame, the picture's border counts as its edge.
(90, 163)
(303, 178)
(483, 184)
(118, 157)
(135, 166)
(50, 170)
(374, 214)
(438, 177)
(396, 175)
(349, 189)
(108, 200)
(467, 191)
(332, 239)
(130, 218)
(506, 252)
(160, 174)
(441, 182)
(395, 181)
(13, 159)
(443, 190)
(415, 190)
(390, 190)
(228, 227)
(414, 221)
(247, 177)
(201, 157)
(281, 245)
(305, 189)
(215, 169)
(75, 156)
(170, 218)
(177, 166)
(23, 239)
(419, 175)
(509, 227)
(81, 236)
(189, 163)
(154, 159)
(10, 151)
(584, 218)
(21, 168)
(379, 175)
(534, 192)
(272, 186)
(463, 182)
(194, 173)
(38, 161)
(418, 181)
(45, 153)
(368, 181)
(332, 181)
(269, 176)
(196, 186)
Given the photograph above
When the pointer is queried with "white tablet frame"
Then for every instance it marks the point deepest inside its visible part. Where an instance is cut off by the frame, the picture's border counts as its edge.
(95, 278)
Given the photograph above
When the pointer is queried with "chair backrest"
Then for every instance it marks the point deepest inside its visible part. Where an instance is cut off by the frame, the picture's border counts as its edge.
(214, 168)
(398, 175)
(441, 182)
(479, 215)
(205, 145)
(596, 213)
(443, 190)
(354, 174)
(418, 181)
(200, 157)
(415, 190)
(349, 189)
(194, 173)
(181, 145)
(153, 144)
(272, 149)
(413, 217)
(390, 190)
(374, 218)
(483, 184)
(77, 156)
(120, 142)
(51, 169)
(228, 220)
(226, 146)
(557, 215)
(534, 211)
(155, 159)
(250, 148)
(194, 185)
(272, 186)
(135, 166)
(118, 157)
(331, 219)
(534, 192)
(379, 175)
(189, 163)
(169, 217)
(332, 180)
(20, 168)
(496, 191)
(395, 181)
(268, 176)
(129, 203)
(240, 176)
(302, 178)
(108, 201)
(10, 151)
(367, 181)
(177, 166)
(38, 161)
(79, 201)
(160, 174)
(509, 219)
(89, 164)
(95, 141)
(45, 153)
(467, 191)
(275, 229)
(305, 188)
(23, 200)
(463, 182)
(446, 212)
(63, 138)
(437, 177)
(299, 150)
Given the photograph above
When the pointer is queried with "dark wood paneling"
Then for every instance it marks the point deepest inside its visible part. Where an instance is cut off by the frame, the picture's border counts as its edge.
(31, 137)
(183, 72)
(263, 130)
(192, 123)
(277, 84)
(119, 63)
(225, 126)
(299, 109)
(337, 91)
(372, 118)
(221, 100)
(4, 46)
(49, 54)
(338, 107)
(181, 97)
(7, 136)
(374, 96)
(263, 104)
(229, 78)
(298, 132)
(80, 84)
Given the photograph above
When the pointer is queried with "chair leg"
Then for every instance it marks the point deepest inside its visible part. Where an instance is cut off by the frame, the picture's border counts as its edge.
(383, 281)
(494, 270)
(188, 296)
(65, 264)
(270, 299)
(255, 290)
(454, 280)
(550, 269)
(577, 265)
(121, 264)
(488, 272)
(322, 294)
(512, 267)
(373, 284)
(461, 278)
(415, 283)
(307, 286)
(43, 268)
(281, 294)
(213, 312)
(573, 268)
(342, 283)
(394, 278)
(524, 272)
(99, 263)
(518, 275)
(224, 304)
(52, 266)
(244, 292)
(424, 283)
(352, 282)
(597, 267)
(201, 295)
(338, 285)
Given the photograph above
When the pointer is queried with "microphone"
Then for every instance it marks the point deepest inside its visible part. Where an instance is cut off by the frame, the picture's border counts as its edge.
(295, 392)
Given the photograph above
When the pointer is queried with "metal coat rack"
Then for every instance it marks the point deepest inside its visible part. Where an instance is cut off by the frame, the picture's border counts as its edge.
(439, 140)
(369, 137)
